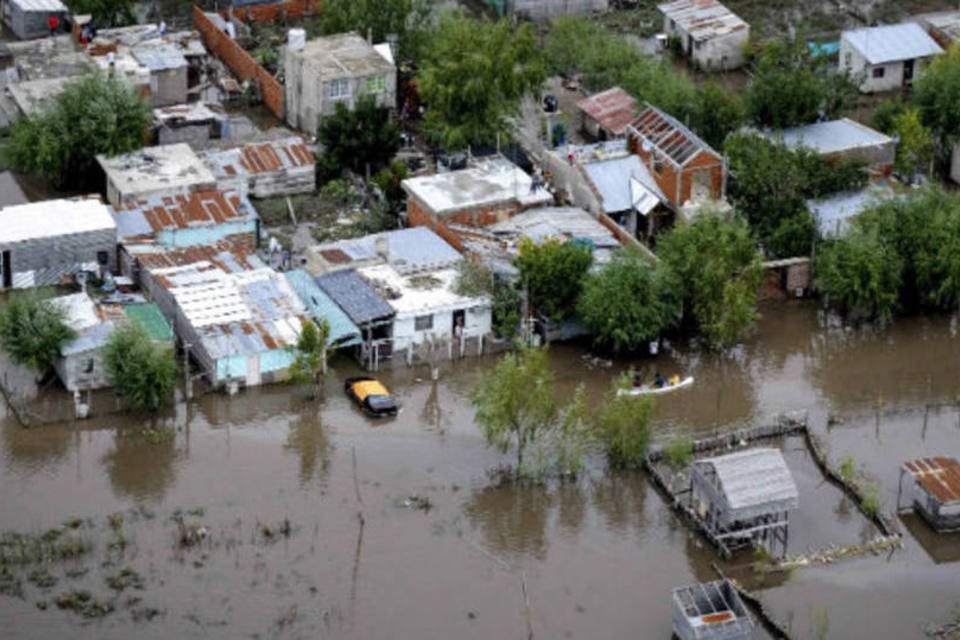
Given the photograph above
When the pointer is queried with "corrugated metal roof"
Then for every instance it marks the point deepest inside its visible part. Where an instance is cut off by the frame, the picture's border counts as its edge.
(409, 250)
(260, 157)
(52, 218)
(831, 137)
(89, 339)
(319, 305)
(834, 214)
(611, 178)
(754, 478)
(161, 57)
(357, 298)
(568, 223)
(231, 255)
(149, 318)
(940, 477)
(891, 43)
(46, 6)
(156, 213)
(667, 135)
(614, 109)
(703, 19)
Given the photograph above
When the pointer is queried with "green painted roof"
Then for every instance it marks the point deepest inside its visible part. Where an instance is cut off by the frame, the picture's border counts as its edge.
(148, 317)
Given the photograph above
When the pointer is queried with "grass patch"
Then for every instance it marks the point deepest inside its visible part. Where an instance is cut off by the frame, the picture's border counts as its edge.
(679, 452)
(82, 602)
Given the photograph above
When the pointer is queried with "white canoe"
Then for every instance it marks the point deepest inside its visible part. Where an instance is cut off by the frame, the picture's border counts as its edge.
(649, 389)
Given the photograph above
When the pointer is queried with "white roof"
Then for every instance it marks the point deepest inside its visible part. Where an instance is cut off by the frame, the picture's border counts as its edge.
(152, 169)
(754, 477)
(81, 312)
(831, 137)
(46, 6)
(385, 51)
(891, 43)
(487, 182)
(51, 218)
(418, 294)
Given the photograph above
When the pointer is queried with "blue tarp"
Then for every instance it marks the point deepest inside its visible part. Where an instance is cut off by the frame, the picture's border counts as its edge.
(823, 49)
(343, 332)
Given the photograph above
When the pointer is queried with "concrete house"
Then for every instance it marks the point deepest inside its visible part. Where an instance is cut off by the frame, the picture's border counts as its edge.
(684, 167)
(239, 317)
(170, 170)
(332, 70)
(606, 114)
(265, 169)
(28, 18)
(547, 9)
(842, 139)
(42, 243)
(168, 73)
(711, 35)
(888, 57)
(490, 190)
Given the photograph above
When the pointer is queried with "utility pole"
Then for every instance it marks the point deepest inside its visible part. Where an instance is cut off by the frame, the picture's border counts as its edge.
(187, 382)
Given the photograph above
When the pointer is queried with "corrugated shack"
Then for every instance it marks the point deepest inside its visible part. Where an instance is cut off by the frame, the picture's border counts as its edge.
(332, 70)
(607, 114)
(42, 243)
(933, 491)
(28, 18)
(842, 139)
(744, 498)
(343, 333)
(168, 73)
(714, 37)
(265, 169)
(687, 169)
(239, 317)
(179, 221)
(887, 57)
(169, 170)
(710, 611)
(488, 191)
(81, 366)
(366, 309)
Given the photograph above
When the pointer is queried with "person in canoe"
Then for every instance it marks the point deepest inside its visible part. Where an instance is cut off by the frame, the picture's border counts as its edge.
(659, 381)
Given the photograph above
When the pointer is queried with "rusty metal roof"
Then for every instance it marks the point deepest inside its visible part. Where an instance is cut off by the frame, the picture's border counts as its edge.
(702, 19)
(260, 157)
(940, 477)
(614, 109)
(157, 213)
(664, 133)
(233, 255)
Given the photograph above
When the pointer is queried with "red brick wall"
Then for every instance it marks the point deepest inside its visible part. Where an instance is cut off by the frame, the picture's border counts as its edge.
(240, 62)
(668, 177)
(420, 216)
(291, 9)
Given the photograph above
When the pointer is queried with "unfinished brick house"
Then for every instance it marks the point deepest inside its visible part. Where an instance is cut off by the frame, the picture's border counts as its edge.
(685, 167)
(489, 191)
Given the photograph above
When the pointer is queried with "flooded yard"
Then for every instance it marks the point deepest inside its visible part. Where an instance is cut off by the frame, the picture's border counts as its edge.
(265, 515)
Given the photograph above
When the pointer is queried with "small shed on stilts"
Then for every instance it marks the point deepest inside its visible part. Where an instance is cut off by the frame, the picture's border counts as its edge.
(934, 491)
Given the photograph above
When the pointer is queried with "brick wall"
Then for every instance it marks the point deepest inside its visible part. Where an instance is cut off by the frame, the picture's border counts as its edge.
(418, 215)
(291, 9)
(239, 61)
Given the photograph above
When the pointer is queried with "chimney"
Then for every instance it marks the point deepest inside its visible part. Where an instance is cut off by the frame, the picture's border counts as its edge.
(382, 247)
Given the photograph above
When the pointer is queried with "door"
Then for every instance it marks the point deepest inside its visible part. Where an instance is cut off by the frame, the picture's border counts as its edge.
(459, 320)
(907, 71)
(6, 273)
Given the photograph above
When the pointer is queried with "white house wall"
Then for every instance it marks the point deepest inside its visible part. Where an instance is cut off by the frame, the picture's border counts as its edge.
(477, 322)
(710, 54)
(892, 80)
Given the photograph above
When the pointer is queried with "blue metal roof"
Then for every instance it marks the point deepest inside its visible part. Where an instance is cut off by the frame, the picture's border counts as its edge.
(892, 42)
(357, 298)
(319, 305)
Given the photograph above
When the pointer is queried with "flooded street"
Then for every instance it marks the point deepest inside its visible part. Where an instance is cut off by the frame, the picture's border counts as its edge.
(396, 529)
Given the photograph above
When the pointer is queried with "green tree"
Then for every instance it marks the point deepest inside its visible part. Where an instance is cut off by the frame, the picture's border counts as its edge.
(474, 278)
(473, 77)
(33, 329)
(106, 13)
(717, 267)
(389, 180)
(506, 310)
(515, 403)
(623, 425)
(310, 364)
(626, 303)
(884, 116)
(94, 115)
(916, 148)
(552, 272)
(716, 112)
(407, 20)
(143, 372)
(357, 139)
(937, 94)
(789, 86)
(859, 274)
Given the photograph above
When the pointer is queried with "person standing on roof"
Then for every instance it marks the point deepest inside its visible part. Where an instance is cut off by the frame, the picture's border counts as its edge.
(54, 23)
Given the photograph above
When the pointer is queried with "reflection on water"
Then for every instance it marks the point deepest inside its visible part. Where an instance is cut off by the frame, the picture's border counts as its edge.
(307, 439)
(513, 522)
(142, 467)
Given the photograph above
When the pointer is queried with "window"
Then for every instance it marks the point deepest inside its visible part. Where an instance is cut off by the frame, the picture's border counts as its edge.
(102, 258)
(423, 323)
(878, 72)
(376, 84)
(88, 365)
(339, 89)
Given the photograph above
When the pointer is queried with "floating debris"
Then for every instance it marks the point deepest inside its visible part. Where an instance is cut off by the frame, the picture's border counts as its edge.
(415, 501)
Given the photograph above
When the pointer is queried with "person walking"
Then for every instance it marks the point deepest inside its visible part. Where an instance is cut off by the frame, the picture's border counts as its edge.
(54, 23)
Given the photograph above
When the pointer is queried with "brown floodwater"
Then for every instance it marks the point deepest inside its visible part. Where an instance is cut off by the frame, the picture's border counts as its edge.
(596, 557)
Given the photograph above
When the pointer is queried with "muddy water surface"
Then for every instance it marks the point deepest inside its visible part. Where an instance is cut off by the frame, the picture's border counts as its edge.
(361, 559)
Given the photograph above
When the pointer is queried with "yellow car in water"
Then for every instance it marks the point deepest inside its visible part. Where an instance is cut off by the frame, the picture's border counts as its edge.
(371, 395)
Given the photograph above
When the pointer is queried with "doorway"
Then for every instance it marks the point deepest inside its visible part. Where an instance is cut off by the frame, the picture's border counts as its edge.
(459, 320)
(6, 273)
(907, 72)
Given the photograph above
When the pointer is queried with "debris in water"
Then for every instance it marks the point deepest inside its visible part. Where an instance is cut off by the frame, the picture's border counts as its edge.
(415, 501)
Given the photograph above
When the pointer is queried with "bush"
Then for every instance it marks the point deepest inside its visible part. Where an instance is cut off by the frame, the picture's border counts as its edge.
(474, 279)
(357, 139)
(859, 274)
(623, 425)
(144, 372)
(552, 272)
(33, 329)
(871, 500)
(848, 470)
(679, 451)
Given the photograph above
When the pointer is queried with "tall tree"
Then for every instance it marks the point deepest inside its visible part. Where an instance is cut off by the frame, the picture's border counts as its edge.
(626, 303)
(552, 272)
(143, 372)
(406, 20)
(357, 139)
(473, 77)
(937, 94)
(106, 13)
(33, 330)
(312, 352)
(860, 274)
(515, 402)
(717, 267)
(94, 115)
(916, 147)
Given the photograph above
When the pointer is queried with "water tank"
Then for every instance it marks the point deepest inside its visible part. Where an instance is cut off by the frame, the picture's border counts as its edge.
(296, 39)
